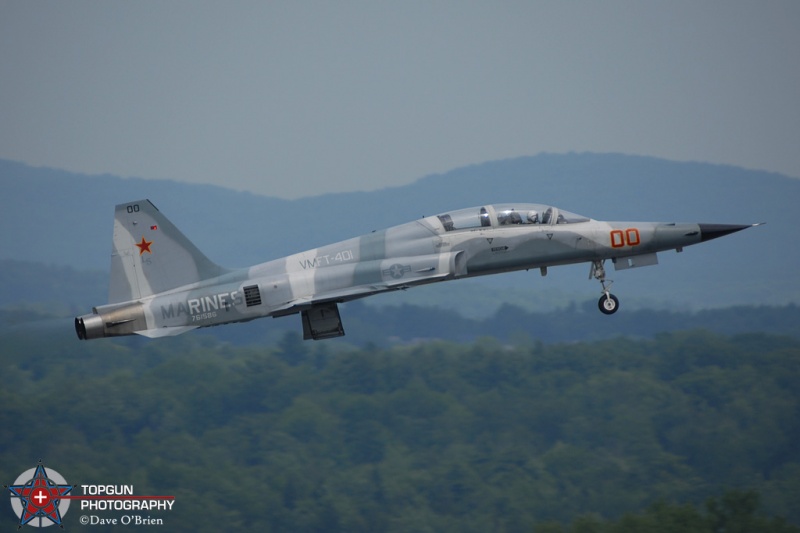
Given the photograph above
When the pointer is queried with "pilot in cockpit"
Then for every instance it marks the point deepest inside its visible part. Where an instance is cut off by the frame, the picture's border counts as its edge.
(533, 216)
(509, 217)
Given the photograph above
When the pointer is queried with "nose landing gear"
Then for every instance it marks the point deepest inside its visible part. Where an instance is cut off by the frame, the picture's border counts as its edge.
(608, 303)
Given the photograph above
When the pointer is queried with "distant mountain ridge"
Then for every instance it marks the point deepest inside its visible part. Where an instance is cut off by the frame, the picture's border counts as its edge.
(61, 218)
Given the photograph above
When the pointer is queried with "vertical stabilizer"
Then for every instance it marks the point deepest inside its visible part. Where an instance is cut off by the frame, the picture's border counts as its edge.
(150, 255)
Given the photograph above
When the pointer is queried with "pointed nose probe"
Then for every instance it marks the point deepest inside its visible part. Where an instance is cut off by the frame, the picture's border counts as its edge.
(713, 231)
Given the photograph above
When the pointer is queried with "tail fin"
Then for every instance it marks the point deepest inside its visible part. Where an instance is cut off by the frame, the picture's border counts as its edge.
(151, 255)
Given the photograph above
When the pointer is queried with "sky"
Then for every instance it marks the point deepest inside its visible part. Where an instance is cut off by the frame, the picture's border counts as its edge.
(300, 98)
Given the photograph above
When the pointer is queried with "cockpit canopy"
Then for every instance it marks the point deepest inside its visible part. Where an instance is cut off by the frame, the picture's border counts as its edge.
(506, 215)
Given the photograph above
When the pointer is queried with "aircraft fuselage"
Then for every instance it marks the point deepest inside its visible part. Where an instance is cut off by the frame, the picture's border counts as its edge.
(465, 243)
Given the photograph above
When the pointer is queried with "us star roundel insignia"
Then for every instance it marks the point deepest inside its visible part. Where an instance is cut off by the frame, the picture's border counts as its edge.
(397, 271)
(144, 246)
(36, 497)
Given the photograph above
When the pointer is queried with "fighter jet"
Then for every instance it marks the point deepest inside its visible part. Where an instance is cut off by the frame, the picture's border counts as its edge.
(162, 284)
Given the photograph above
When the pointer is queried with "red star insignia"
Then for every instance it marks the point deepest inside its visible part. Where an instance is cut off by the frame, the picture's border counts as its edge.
(144, 246)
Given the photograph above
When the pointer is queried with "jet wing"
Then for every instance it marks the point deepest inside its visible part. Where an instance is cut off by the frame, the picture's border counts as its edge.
(339, 296)
(391, 275)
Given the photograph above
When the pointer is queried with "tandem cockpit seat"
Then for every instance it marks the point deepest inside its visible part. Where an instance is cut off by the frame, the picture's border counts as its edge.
(506, 215)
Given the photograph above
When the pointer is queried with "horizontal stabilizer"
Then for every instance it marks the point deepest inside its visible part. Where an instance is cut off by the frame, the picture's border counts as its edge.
(165, 332)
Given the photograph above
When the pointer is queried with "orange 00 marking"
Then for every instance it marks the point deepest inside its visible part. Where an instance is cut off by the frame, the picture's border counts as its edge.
(630, 237)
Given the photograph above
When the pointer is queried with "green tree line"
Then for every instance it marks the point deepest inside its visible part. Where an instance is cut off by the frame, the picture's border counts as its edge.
(685, 428)
(30, 291)
(734, 512)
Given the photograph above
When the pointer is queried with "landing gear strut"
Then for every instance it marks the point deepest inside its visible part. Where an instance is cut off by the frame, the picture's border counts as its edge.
(608, 303)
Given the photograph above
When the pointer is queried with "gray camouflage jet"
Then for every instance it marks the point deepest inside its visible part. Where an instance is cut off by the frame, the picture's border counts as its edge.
(161, 284)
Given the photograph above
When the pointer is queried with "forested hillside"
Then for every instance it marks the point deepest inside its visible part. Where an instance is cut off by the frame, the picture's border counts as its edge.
(33, 296)
(438, 436)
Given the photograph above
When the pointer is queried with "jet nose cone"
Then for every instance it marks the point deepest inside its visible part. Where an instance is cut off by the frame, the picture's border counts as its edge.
(712, 231)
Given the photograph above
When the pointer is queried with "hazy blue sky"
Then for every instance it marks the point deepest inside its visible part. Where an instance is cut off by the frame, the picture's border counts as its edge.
(297, 98)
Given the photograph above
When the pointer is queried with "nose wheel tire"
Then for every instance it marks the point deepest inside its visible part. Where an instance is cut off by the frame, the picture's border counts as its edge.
(608, 304)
